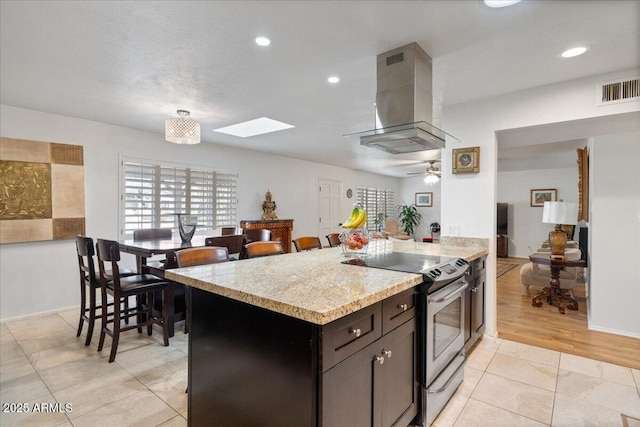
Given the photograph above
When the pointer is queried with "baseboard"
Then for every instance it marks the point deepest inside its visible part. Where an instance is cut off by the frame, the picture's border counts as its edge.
(41, 313)
(613, 331)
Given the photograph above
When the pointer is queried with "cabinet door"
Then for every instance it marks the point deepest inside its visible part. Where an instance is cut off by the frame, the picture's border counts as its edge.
(399, 386)
(477, 308)
(377, 386)
(348, 390)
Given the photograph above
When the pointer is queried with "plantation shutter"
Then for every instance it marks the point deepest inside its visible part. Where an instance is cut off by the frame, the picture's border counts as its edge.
(153, 192)
(375, 201)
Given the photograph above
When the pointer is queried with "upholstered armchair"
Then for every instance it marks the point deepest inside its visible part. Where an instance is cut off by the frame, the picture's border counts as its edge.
(392, 232)
(539, 275)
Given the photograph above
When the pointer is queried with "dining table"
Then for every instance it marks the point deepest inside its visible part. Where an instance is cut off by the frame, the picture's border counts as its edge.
(145, 249)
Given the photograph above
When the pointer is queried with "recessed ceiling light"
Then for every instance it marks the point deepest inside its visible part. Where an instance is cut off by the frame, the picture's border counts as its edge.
(333, 79)
(500, 3)
(254, 127)
(263, 41)
(574, 51)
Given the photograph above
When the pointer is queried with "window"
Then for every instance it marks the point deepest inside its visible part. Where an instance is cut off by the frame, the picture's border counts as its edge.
(153, 192)
(376, 201)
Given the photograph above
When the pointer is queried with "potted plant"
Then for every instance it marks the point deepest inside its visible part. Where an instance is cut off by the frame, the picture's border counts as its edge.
(409, 218)
(379, 221)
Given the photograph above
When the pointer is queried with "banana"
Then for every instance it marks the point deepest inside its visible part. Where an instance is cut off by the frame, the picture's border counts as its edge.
(361, 220)
(357, 219)
(352, 218)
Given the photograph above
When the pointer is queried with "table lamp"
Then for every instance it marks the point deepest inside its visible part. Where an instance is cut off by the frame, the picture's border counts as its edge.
(559, 213)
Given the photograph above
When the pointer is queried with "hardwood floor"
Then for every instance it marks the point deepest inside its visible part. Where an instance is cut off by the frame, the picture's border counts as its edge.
(545, 327)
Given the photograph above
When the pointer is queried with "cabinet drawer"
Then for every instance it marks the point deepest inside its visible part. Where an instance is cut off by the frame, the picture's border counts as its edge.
(345, 336)
(398, 309)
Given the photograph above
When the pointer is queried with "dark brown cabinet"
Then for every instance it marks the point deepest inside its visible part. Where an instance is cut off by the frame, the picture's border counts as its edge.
(474, 316)
(376, 386)
(249, 366)
(502, 247)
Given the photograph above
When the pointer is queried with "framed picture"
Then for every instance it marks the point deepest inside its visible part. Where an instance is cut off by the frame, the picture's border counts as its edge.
(424, 200)
(538, 197)
(466, 160)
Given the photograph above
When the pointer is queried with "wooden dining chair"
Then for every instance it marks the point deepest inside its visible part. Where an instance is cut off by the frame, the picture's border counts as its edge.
(201, 256)
(260, 249)
(121, 288)
(228, 231)
(334, 239)
(233, 243)
(90, 281)
(257, 235)
(152, 234)
(307, 243)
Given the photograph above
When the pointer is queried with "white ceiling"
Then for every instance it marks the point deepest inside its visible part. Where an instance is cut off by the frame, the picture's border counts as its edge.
(134, 63)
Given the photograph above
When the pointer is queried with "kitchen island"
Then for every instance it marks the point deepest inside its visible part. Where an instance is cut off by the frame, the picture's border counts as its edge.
(300, 339)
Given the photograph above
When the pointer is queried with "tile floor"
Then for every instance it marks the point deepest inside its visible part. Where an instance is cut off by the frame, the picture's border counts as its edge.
(506, 383)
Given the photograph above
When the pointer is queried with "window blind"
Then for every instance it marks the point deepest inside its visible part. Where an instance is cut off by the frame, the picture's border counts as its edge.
(153, 192)
(375, 201)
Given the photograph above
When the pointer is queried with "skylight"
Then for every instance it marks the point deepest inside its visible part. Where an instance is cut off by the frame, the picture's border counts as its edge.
(254, 127)
(500, 3)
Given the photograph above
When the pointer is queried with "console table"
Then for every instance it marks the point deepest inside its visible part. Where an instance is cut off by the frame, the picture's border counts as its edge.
(553, 292)
(280, 229)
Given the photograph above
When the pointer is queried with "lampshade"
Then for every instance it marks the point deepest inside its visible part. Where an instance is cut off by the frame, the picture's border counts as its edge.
(431, 179)
(183, 129)
(560, 213)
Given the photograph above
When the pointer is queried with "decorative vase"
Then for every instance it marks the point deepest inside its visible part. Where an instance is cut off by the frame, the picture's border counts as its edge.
(354, 242)
(187, 226)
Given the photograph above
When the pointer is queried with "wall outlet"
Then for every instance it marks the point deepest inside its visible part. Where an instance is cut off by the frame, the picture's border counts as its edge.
(453, 230)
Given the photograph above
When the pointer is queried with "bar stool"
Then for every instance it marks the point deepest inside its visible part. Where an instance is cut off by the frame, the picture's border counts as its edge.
(260, 249)
(121, 288)
(307, 243)
(334, 239)
(233, 243)
(258, 235)
(228, 231)
(90, 279)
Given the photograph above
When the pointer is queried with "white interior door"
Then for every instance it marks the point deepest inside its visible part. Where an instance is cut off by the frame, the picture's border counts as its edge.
(330, 207)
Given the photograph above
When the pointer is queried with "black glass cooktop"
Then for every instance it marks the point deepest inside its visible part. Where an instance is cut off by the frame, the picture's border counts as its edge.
(433, 268)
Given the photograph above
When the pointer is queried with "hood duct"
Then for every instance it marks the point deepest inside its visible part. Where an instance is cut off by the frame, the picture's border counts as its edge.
(404, 104)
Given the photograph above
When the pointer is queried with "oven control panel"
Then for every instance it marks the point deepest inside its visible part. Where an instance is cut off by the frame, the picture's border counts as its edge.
(449, 270)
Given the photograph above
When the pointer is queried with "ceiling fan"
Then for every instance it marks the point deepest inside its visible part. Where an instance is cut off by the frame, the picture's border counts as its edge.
(430, 170)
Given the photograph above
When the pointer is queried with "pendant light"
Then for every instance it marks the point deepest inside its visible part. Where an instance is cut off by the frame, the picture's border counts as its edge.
(182, 129)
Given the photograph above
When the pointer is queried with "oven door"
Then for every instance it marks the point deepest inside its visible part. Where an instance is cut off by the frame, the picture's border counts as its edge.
(444, 327)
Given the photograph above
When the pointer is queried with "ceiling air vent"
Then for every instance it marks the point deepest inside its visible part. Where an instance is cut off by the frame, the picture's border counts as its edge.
(626, 90)
(394, 59)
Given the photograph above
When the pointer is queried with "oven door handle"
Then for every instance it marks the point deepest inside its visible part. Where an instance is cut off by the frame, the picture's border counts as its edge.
(463, 285)
(444, 387)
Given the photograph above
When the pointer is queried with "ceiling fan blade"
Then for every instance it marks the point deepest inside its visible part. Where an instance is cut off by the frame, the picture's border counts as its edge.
(416, 173)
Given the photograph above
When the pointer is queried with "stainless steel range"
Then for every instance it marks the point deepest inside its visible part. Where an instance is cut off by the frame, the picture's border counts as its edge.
(441, 325)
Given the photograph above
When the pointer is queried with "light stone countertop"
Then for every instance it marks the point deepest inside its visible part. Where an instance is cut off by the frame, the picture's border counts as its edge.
(315, 286)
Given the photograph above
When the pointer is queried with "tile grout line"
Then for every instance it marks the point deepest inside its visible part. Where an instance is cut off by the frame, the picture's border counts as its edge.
(37, 372)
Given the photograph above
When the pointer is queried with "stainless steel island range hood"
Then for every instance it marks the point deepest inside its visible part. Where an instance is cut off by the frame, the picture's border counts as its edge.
(404, 104)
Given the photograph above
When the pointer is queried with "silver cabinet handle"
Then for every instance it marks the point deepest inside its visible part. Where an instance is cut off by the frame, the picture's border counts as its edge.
(355, 332)
(387, 353)
(474, 290)
(403, 307)
(379, 359)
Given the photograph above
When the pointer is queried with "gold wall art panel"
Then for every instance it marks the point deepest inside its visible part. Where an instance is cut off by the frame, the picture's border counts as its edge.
(41, 191)
(26, 190)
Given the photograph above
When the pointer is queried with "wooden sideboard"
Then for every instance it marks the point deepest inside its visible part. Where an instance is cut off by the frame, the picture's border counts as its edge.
(280, 229)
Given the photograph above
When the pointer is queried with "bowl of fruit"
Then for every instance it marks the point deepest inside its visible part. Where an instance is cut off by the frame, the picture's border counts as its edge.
(355, 237)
